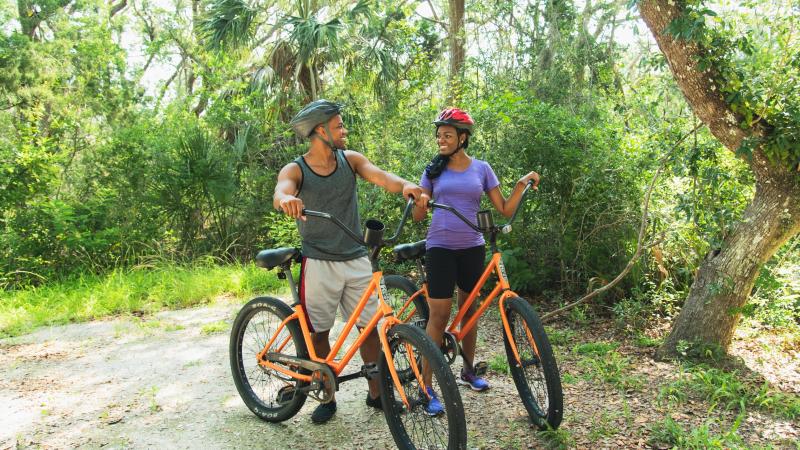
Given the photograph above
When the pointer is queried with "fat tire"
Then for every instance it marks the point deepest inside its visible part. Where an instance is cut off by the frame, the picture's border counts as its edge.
(405, 285)
(545, 372)
(266, 409)
(444, 384)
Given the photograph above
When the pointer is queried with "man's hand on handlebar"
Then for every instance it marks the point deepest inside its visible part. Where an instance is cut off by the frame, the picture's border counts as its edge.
(292, 207)
(411, 190)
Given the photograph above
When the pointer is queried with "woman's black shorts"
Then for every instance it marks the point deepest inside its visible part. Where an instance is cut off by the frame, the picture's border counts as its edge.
(447, 268)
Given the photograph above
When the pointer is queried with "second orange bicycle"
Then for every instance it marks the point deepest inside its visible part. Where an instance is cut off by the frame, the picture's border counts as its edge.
(530, 356)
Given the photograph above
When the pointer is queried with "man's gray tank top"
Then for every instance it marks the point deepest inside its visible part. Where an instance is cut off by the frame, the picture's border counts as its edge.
(334, 194)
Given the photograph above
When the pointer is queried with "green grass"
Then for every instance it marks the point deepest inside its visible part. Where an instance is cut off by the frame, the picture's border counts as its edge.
(600, 361)
(125, 291)
(215, 327)
(595, 348)
(560, 439)
(726, 390)
(498, 363)
(670, 433)
(560, 337)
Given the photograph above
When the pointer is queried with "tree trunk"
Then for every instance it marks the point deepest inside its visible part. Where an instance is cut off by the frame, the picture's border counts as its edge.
(29, 17)
(457, 39)
(726, 277)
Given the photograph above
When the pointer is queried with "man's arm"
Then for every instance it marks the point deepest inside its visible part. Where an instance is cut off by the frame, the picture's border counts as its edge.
(379, 177)
(286, 189)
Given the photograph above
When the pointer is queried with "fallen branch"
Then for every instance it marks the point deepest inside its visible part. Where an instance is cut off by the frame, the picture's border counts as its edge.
(640, 246)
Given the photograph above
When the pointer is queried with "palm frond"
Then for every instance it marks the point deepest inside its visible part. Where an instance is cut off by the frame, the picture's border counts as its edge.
(228, 23)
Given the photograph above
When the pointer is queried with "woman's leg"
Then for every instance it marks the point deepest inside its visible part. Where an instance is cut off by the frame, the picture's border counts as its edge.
(437, 322)
(469, 340)
(470, 269)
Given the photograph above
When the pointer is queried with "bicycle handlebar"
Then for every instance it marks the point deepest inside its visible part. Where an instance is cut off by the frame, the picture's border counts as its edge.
(505, 228)
(352, 234)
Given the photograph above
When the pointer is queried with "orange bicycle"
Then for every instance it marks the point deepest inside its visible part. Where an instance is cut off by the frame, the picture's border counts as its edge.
(530, 356)
(275, 367)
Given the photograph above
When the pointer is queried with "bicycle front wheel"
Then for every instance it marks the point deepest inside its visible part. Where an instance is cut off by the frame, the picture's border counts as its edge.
(423, 425)
(400, 290)
(270, 395)
(536, 375)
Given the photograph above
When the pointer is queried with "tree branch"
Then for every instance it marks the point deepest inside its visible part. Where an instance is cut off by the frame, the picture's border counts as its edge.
(117, 8)
(640, 247)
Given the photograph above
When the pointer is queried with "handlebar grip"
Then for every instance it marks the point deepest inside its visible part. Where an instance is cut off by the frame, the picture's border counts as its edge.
(308, 212)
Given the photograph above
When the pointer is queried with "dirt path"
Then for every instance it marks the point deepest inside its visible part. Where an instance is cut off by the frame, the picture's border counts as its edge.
(164, 382)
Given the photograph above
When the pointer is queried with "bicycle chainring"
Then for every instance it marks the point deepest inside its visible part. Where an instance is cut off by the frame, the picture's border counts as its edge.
(449, 347)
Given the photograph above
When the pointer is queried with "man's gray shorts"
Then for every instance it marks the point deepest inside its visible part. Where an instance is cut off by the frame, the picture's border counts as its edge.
(324, 285)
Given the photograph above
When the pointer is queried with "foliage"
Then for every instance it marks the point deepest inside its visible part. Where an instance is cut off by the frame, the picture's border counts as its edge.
(137, 290)
(107, 165)
(579, 225)
(606, 365)
(670, 433)
(727, 390)
(754, 56)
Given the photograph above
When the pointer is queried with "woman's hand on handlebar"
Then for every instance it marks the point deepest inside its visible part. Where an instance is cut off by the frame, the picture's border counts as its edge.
(292, 207)
(421, 207)
(531, 176)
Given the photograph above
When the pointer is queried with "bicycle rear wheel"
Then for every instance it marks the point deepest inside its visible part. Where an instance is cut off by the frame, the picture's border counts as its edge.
(270, 395)
(401, 289)
(415, 428)
(537, 378)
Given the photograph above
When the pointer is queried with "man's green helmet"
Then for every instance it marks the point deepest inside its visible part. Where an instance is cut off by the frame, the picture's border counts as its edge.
(312, 115)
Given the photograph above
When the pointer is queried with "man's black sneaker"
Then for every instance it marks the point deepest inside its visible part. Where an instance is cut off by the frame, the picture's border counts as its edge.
(376, 403)
(324, 412)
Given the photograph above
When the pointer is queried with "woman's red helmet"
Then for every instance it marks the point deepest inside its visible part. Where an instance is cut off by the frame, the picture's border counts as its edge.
(456, 118)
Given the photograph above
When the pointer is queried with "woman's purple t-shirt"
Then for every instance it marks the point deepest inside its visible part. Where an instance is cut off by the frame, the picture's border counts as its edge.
(462, 191)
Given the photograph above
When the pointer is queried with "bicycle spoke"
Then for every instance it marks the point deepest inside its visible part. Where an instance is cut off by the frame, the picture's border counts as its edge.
(532, 370)
(259, 385)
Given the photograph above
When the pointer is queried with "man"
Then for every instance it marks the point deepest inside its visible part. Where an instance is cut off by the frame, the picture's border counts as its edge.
(335, 269)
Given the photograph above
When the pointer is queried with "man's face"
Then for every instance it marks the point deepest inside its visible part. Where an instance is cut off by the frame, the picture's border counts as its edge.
(338, 132)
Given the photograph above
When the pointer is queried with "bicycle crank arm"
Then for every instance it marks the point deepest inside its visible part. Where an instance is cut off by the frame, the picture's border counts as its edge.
(328, 378)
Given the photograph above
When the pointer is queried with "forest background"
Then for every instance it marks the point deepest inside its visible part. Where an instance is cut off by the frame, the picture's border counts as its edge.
(140, 142)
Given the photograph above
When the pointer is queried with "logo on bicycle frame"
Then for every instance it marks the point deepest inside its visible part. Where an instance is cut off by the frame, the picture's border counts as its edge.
(385, 292)
(502, 268)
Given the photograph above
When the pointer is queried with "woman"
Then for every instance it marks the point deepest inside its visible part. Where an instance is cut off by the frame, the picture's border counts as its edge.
(455, 252)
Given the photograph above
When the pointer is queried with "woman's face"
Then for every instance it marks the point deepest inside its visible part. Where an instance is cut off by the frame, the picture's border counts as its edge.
(447, 139)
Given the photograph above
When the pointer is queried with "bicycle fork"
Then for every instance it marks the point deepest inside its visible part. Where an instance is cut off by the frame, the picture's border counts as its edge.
(507, 329)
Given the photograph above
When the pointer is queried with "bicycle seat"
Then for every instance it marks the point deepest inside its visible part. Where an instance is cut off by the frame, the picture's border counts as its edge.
(409, 251)
(271, 258)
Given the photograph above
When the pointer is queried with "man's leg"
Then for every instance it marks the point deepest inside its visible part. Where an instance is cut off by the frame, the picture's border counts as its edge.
(369, 354)
(322, 345)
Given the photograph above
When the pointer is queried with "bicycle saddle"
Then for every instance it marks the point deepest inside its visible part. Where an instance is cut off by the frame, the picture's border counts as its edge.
(409, 251)
(271, 258)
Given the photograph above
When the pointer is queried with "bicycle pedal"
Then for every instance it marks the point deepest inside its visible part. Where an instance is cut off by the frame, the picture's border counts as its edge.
(369, 370)
(285, 394)
(480, 368)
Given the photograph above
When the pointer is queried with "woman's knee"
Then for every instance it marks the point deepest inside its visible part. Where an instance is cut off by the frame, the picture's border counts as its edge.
(439, 311)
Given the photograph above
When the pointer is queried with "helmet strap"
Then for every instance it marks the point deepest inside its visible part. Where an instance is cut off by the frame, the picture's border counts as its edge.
(329, 141)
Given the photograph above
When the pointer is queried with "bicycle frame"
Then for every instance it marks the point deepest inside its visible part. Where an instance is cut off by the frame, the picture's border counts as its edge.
(384, 311)
(502, 288)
